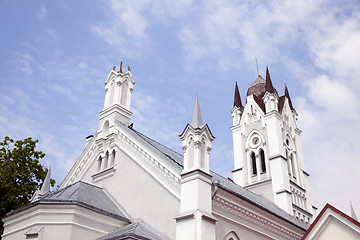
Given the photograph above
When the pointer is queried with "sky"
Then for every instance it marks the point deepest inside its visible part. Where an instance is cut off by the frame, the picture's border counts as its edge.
(56, 55)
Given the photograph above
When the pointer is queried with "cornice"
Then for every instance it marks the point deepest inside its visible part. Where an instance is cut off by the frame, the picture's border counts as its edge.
(246, 214)
(152, 161)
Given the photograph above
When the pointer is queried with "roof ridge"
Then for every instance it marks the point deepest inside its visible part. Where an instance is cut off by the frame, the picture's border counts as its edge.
(144, 138)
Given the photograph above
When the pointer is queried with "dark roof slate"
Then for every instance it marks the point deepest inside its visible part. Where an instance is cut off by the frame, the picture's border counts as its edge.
(237, 99)
(136, 230)
(177, 160)
(84, 195)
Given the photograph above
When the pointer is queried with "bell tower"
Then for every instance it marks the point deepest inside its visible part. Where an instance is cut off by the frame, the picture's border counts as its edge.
(118, 89)
(268, 156)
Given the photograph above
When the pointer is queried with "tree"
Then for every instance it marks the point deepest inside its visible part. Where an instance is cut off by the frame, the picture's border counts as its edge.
(21, 173)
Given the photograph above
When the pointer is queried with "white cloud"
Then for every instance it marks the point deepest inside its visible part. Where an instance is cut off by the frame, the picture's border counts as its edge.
(41, 13)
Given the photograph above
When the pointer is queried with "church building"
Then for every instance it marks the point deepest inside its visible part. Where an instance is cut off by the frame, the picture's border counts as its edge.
(126, 185)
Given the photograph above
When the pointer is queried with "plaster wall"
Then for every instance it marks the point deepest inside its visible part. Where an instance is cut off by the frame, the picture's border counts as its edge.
(139, 191)
(59, 222)
(336, 230)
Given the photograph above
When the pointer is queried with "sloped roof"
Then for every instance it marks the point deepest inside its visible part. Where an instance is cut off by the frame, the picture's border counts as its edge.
(85, 195)
(177, 160)
(136, 230)
(338, 214)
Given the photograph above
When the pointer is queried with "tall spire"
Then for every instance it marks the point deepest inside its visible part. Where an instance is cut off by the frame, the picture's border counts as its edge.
(45, 188)
(353, 215)
(268, 84)
(196, 120)
(237, 99)
(288, 97)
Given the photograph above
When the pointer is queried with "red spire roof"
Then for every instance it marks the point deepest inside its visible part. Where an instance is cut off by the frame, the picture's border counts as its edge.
(288, 97)
(237, 99)
(268, 84)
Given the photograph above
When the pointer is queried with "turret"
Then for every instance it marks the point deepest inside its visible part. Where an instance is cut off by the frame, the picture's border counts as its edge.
(118, 89)
(195, 220)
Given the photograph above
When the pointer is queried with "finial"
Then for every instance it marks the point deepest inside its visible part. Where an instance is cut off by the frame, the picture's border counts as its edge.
(128, 68)
(121, 67)
(114, 67)
(257, 67)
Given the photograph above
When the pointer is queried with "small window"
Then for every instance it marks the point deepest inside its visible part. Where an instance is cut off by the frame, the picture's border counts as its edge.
(106, 159)
(253, 163)
(113, 158)
(99, 163)
(263, 164)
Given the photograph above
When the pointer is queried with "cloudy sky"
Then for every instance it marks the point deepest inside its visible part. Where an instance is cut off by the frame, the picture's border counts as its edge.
(55, 57)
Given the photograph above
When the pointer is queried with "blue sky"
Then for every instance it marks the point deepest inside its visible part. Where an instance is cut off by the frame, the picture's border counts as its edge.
(55, 57)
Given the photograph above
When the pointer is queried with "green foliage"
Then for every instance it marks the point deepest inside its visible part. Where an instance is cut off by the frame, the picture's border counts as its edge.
(21, 173)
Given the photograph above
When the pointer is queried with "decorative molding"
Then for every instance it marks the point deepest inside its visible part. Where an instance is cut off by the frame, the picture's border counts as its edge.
(103, 174)
(254, 218)
(153, 162)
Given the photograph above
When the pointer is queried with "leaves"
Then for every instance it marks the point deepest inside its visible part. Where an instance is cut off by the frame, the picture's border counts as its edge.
(21, 173)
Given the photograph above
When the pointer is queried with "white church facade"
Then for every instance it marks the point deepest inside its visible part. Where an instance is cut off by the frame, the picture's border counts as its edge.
(126, 185)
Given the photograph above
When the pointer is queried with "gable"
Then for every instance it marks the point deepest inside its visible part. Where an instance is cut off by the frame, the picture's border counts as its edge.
(331, 223)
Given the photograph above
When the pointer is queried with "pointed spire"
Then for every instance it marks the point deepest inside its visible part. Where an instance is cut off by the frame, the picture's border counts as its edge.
(288, 97)
(268, 84)
(196, 120)
(237, 99)
(353, 215)
(45, 188)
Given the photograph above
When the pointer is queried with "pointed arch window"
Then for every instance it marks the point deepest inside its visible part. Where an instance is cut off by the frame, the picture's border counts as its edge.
(262, 159)
(99, 163)
(293, 165)
(124, 93)
(253, 163)
(112, 158)
(106, 159)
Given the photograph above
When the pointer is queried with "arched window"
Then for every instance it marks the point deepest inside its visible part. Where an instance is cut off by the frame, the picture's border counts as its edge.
(262, 158)
(124, 92)
(106, 159)
(253, 163)
(99, 163)
(191, 153)
(112, 158)
(202, 149)
(105, 129)
(293, 165)
(231, 236)
(288, 161)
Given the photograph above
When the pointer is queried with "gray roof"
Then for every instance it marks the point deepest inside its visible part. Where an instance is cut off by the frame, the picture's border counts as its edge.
(136, 230)
(173, 157)
(85, 195)
(177, 160)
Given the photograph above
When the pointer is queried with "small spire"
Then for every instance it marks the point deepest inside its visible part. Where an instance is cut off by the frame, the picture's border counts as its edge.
(353, 215)
(237, 99)
(196, 120)
(121, 67)
(114, 67)
(288, 97)
(268, 84)
(128, 68)
(45, 188)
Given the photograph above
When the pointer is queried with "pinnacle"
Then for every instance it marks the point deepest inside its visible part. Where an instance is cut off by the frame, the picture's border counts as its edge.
(268, 84)
(237, 99)
(196, 120)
